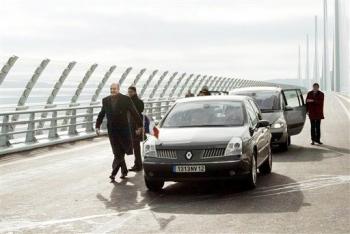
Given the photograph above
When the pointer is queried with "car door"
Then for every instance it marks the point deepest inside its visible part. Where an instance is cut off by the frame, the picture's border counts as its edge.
(257, 134)
(294, 110)
(266, 135)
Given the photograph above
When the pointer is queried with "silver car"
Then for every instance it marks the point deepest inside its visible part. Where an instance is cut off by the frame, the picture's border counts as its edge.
(211, 137)
(284, 108)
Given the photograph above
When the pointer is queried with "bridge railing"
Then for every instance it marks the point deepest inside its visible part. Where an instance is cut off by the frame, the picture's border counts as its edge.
(44, 102)
(58, 127)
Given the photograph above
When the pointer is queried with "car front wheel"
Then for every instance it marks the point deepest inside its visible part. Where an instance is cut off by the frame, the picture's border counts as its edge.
(250, 181)
(154, 185)
(266, 167)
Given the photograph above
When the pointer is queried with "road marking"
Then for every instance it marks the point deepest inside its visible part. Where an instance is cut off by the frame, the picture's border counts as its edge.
(18, 225)
(316, 183)
(344, 97)
(274, 190)
(344, 107)
(58, 152)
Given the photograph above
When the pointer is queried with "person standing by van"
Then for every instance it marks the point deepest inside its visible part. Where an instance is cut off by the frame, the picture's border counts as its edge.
(314, 105)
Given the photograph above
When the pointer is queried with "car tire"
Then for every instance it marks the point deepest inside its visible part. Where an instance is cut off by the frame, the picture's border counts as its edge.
(251, 178)
(284, 146)
(266, 167)
(289, 141)
(154, 185)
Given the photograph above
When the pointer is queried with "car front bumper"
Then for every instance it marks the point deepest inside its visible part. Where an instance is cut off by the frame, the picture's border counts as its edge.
(213, 170)
(279, 135)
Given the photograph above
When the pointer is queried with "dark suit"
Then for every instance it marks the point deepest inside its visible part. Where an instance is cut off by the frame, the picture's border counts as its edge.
(118, 109)
(136, 139)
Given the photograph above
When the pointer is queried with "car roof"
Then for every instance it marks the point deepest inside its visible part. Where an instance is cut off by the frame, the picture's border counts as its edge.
(260, 88)
(213, 98)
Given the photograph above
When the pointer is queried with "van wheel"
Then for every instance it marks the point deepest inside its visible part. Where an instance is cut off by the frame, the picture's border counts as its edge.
(284, 146)
(266, 167)
(154, 185)
(289, 141)
(250, 180)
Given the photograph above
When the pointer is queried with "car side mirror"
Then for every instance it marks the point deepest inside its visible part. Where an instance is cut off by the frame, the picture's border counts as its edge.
(251, 131)
(288, 108)
(263, 124)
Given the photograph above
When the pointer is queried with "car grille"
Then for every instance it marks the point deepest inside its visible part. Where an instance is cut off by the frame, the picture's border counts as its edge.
(213, 153)
(168, 154)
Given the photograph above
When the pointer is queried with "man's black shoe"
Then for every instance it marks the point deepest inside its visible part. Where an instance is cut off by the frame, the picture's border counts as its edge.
(312, 143)
(319, 142)
(136, 169)
(112, 179)
(123, 176)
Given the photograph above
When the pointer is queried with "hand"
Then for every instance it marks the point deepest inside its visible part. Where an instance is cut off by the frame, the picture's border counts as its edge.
(139, 131)
(98, 132)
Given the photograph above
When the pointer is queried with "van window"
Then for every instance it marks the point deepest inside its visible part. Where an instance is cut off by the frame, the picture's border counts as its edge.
(292, 98)
(266, 100)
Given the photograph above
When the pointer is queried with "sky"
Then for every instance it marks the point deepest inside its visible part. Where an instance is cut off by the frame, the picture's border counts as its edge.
(250, 39)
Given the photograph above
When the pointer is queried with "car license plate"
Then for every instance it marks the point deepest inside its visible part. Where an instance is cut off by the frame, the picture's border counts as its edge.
(189, 168)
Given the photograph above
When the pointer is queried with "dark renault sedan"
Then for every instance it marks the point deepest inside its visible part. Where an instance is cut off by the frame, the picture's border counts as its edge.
(213, 137)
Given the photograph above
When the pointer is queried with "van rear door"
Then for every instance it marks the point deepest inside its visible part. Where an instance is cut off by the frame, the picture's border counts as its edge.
(294, 110)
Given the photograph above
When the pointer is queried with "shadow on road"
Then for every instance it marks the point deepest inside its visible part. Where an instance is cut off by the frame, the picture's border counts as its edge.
(275, 193)
(297, 153)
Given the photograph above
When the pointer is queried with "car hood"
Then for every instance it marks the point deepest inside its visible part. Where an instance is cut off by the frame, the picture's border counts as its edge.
(194, 136)
(272, 116)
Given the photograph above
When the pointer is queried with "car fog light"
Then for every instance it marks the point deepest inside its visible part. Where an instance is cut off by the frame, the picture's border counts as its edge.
(232, 173)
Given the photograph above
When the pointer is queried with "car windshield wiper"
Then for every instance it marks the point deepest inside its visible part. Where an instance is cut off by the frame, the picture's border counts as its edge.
(268, 110)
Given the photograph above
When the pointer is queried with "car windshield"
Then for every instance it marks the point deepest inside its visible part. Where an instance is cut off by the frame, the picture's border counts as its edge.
(266, 100)
(205, 114)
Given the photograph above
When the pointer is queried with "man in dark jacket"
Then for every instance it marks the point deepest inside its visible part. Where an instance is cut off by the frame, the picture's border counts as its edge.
(314, 104)
(116, 108)
(204, 91)
(189, 93)
(136, 138)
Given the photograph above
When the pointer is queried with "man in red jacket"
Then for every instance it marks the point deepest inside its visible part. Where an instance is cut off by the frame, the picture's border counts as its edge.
(314, 104)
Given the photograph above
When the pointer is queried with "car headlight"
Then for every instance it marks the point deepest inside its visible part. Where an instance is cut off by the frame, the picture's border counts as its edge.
(234, 147)
(149, 148)
(277, 125)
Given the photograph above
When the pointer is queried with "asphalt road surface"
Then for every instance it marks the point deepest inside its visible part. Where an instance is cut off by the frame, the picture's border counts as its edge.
(65, 189)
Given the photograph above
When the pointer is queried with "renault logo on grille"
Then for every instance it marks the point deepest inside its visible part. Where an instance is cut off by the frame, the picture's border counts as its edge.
(189, 155)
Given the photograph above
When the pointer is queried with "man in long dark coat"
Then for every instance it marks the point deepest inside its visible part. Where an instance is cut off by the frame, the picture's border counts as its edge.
(314, 104)
(136, 138)
(117, 108)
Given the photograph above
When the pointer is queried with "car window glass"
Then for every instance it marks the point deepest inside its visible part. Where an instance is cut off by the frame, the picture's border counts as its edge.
(251, 115)
(266, 100)
(301, 97)
(255, 108)
(292, 98)
(205, 114)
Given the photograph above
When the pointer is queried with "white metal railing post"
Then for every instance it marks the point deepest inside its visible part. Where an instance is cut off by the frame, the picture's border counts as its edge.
(72, 129)
(7, 67)
(30, 135)
(53, 126)
(89, 127)
(4, 138)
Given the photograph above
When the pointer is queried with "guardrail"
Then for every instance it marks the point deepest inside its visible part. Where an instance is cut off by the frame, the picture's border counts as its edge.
(58, 127)
(46, 102)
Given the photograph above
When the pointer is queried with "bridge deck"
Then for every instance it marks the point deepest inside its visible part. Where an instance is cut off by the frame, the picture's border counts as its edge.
(65, 188)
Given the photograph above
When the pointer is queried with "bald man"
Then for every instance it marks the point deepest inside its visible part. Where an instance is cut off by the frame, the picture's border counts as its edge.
(117, 108)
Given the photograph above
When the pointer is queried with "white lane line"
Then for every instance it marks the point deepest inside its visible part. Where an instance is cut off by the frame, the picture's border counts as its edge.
(343, 97)
(347, 112)
(58, 152)
(18, 225)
